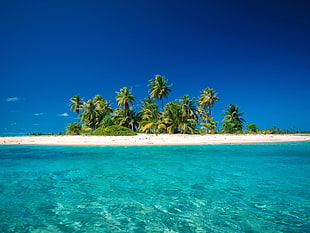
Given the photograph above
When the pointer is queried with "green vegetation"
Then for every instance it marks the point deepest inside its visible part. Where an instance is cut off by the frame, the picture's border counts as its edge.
(209, 125)
(232, 119)
(125, 116)
(252, 128)
(185, 115)
(40, 134)
(76, 104)
(114, 130)
(94, 111)
(151, 119)
(207, 100)
(159, 88)
(74, 128)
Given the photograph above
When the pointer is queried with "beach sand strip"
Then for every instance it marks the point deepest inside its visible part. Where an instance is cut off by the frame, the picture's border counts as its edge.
(151, 139)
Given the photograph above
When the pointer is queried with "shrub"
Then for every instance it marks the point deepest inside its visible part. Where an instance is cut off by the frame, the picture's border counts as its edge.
(114, 130)
(253, 128)
(74, 128)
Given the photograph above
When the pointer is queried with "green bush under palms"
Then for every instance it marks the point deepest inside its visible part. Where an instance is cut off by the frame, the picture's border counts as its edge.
(114, 130)
(74, 128)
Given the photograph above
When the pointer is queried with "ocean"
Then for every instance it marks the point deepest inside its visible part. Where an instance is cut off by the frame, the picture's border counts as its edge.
(207, 188)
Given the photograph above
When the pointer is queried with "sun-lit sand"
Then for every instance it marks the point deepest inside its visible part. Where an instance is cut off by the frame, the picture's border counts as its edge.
(149, 139)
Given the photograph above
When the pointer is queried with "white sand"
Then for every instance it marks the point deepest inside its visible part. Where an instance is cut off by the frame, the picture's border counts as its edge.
(149, 139)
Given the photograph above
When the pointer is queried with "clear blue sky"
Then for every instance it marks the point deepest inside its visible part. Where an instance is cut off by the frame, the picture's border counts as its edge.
(255, 54)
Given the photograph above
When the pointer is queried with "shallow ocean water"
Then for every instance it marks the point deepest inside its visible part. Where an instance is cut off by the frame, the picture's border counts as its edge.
(207, 188)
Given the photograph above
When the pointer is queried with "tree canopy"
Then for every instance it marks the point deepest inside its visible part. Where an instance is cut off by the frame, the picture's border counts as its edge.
(184, 115)
(159, 88)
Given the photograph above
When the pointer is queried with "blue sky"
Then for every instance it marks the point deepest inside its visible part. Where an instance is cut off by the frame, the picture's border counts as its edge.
(255, 54)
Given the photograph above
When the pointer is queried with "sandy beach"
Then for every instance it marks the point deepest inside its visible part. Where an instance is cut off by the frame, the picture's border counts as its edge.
(149, 139)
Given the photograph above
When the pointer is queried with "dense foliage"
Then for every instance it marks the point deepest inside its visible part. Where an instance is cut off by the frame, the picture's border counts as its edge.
(114, 130)
(185, 115)
(74, 128)
(252, 128)
(233, 121)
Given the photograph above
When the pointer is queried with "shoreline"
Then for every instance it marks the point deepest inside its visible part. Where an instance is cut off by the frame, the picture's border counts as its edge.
(152, 139)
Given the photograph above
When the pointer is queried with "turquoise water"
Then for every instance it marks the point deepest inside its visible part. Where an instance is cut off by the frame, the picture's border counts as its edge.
(210, 188)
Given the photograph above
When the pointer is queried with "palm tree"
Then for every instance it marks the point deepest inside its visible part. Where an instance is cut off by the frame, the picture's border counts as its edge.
(159, 88)
(188, 126)
(188, 107)
(120, 117)
(207, 100)
(209, 125)
(145, 102)
(124, 98)
(95, 110)
(89, 114)
(151, 119)
(103, 108)
(188, 114)
(172, 117)
(76, 104)
(102, 104)
(133, 120)
(176, 120)
(125, 118)
(232, 119)
(180, 117)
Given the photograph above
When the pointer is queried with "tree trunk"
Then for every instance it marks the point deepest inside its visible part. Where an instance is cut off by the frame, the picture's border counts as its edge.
(162, 104)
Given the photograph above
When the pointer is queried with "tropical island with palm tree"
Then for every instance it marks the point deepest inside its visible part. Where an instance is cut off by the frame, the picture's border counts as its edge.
(182, 121)
(185, 115)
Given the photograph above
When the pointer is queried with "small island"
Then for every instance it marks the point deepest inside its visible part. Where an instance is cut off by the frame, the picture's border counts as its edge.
(186, 115)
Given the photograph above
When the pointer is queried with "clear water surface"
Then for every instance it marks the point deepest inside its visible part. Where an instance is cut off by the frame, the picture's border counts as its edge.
(209, 188)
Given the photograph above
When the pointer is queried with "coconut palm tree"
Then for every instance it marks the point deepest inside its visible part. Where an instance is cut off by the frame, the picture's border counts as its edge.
(188, 126)
(95, 110)
(76, 104)
(172, 117)
(103, 108)
(207, 100)
(151, 119)
(188, 107)
(102, 104)
(145, 102)
(120, 117)
(189, 114)
(210, 125)
(89, 114)
(125, 118)
(232, 119)
(124, 98)
(159, 88)
(176, 120)
(133, 120)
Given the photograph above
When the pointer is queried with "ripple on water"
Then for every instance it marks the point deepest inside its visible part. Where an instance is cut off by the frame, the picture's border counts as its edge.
(155, 189)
